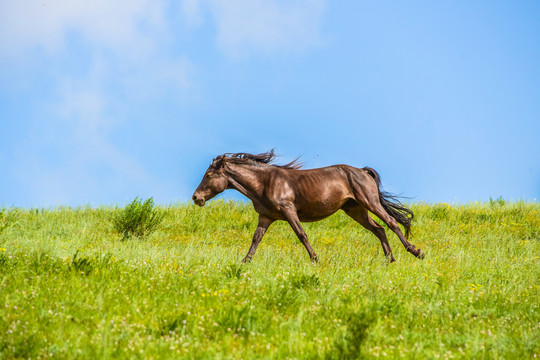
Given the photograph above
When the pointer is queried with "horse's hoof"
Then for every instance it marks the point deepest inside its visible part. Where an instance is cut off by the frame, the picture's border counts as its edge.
(420, 254)
(315, 259)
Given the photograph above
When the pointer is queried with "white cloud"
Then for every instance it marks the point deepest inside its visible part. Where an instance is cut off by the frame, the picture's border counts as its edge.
(261, 26)
(127, 42)
(125, 26)
(192, 12)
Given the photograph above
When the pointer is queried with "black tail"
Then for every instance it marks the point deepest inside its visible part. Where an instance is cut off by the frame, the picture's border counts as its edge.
(392, 205)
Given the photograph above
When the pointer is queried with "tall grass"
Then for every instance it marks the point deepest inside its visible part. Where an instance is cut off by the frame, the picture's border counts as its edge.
(69, 287)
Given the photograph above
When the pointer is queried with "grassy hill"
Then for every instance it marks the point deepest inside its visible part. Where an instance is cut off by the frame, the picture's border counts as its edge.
(71, 287)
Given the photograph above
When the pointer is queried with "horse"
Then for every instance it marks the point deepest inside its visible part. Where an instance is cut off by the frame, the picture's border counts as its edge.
(288, 192)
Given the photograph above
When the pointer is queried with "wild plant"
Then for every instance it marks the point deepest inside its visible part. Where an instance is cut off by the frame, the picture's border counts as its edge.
(81, 264)
(7, 220)
(137, 219)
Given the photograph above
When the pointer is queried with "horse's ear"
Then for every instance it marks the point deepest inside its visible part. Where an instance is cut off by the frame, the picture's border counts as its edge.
(218, 162)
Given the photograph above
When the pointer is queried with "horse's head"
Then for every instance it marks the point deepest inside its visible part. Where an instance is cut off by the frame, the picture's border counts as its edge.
(214, 182)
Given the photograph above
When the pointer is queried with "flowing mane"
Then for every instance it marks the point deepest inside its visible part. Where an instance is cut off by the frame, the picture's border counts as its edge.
(266, 158)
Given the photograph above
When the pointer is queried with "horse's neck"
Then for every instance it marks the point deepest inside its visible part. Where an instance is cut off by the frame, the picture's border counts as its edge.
(246, 179)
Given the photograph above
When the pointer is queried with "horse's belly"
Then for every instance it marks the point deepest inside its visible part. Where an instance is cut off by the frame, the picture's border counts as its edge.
(312, 218)
(318, 210)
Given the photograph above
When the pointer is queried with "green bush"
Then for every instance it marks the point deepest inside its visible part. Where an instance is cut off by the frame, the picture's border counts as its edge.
(348, 344)
(303, 281)
(233, 271)
(498, 202)
(81, 264)
(137, 219)
(6, 219)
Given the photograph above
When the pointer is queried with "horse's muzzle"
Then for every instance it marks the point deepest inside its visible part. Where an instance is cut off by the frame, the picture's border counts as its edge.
(198, 201)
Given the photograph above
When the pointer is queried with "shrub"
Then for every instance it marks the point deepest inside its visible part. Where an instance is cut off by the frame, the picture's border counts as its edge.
(137, 219)
(233, 271)
(3, 259)
(498, 202)
(81, 264)
(7, 219)
(348, 344)
(302, 281)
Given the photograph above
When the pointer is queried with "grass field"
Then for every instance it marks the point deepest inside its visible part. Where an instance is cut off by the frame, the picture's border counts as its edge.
(71, 288)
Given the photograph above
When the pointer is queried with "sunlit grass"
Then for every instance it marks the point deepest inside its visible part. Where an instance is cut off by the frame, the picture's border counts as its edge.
(70, 287)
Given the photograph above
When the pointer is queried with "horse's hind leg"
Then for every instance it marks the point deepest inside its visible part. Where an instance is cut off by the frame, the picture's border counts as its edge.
(361, 215)
(367, 196)
(376, 208)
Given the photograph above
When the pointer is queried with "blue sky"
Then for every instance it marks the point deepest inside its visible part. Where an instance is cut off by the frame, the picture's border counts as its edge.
(103, 101)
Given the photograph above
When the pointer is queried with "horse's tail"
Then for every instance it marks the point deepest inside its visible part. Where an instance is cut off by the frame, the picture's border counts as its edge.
(392, 205)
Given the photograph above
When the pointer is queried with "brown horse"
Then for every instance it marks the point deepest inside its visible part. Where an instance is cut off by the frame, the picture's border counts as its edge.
(283, 192)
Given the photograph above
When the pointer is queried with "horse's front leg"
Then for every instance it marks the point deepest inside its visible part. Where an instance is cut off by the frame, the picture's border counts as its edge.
(264, 223)
(289, 212)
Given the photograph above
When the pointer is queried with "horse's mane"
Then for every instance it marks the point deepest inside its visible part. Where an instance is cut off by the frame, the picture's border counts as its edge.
(266, 158)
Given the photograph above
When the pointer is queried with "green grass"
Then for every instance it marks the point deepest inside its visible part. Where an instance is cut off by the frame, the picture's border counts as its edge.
(71, 288)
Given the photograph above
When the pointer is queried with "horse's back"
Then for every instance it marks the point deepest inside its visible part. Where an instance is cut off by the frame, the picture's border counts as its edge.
(329, 175)
(316, 193)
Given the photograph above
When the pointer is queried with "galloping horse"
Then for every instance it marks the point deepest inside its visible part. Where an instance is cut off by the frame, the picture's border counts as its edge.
(284, 192)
